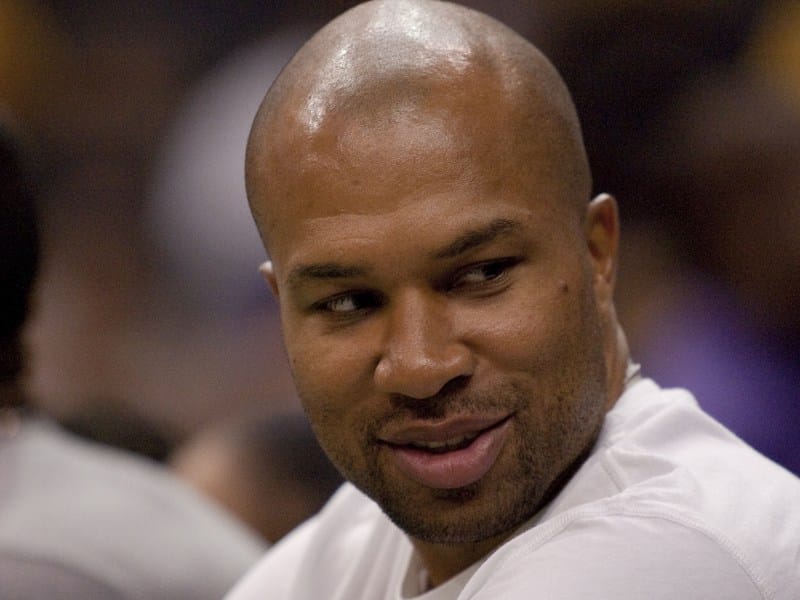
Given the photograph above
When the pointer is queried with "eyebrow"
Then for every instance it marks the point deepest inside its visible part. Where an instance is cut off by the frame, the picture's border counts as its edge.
(476, 238)
(321, 271)
(463, 243)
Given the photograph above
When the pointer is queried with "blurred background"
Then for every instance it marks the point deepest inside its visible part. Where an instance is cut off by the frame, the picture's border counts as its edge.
(152, 324)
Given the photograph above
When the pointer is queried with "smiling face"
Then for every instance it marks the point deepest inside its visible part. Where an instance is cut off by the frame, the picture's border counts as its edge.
(445, 298)
(440, 319)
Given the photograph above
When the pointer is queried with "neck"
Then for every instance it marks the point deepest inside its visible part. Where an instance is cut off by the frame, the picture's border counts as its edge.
(444, 561)
(618, 358)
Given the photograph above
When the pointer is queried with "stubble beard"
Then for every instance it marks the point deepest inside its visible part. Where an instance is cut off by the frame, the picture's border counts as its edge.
(496, 505)
(550, 448)
(541, 465)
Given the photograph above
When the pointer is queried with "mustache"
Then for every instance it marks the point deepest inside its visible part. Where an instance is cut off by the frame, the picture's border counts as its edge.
(453, 398)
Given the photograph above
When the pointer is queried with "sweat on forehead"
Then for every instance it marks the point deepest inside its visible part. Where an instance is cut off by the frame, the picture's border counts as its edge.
(415, 63)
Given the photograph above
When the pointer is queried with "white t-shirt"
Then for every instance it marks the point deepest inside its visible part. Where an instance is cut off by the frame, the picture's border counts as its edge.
(669, 505)
(82, 521)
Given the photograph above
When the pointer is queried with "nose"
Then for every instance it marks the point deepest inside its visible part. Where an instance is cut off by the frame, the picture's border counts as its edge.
(421, 350)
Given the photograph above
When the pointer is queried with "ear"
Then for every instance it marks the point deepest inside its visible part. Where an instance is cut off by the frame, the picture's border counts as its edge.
(268, 272)
(601, 228)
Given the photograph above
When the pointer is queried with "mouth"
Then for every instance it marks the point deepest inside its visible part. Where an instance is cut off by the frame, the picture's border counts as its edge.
(457, 443)
(451, 454)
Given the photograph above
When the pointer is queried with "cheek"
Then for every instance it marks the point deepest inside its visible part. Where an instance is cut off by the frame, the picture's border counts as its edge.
(538, 328)
(335, 395)
(330, 375)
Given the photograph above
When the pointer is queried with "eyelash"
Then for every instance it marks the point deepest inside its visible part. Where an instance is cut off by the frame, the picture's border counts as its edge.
(495, 272)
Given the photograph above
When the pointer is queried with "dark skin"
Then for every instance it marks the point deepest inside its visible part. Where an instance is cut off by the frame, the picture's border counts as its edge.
(418, 178)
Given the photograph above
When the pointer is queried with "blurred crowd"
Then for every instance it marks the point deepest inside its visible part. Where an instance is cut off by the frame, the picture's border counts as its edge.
(151, 316)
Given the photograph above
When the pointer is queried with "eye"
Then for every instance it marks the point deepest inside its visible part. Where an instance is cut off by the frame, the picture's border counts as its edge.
(483, 274)
(348, 303)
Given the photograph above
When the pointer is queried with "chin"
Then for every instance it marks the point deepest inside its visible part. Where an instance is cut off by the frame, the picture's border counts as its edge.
(458, 516)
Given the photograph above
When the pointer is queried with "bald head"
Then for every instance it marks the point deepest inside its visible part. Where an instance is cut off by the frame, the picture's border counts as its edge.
(418, 176)
(452, 75)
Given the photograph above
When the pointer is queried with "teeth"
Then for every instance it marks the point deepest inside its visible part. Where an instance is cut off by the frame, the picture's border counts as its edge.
(451, 444)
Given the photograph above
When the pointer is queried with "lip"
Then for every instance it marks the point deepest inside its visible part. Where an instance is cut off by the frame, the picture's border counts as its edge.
(425, 431)
(454, 468)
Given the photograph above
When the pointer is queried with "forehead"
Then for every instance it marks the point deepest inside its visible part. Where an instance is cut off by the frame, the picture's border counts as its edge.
(404, 177)
(400, 119)
(372, 163)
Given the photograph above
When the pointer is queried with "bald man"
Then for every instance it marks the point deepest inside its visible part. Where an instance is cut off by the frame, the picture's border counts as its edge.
(445, 282)
(79, 521)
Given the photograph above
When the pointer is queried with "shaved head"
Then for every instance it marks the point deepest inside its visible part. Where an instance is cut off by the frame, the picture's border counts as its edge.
(451, 73)
(419, 180)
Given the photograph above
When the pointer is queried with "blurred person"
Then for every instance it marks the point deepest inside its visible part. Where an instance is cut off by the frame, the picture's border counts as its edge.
(446, 282)
(210, 330)
(78, 520)
(205, 241)
(100, 131)
(109, 422)
(270, 472)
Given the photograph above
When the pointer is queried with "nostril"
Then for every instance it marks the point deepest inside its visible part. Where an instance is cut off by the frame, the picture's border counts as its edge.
(435, 406)
(455, 386)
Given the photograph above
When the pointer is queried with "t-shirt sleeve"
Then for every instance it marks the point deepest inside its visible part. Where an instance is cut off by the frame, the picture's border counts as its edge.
(624, 557)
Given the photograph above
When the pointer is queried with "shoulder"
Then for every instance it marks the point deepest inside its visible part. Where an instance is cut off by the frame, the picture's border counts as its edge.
(112, 517)
(670, 505)
(614, 552)
(347, 547)
(25, 579)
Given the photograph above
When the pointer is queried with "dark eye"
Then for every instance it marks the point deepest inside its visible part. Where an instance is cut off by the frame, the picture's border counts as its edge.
(482, 274)
(348, 303)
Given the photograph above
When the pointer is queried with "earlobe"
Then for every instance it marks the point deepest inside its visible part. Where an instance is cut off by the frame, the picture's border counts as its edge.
(602, 236)
(268, 273)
